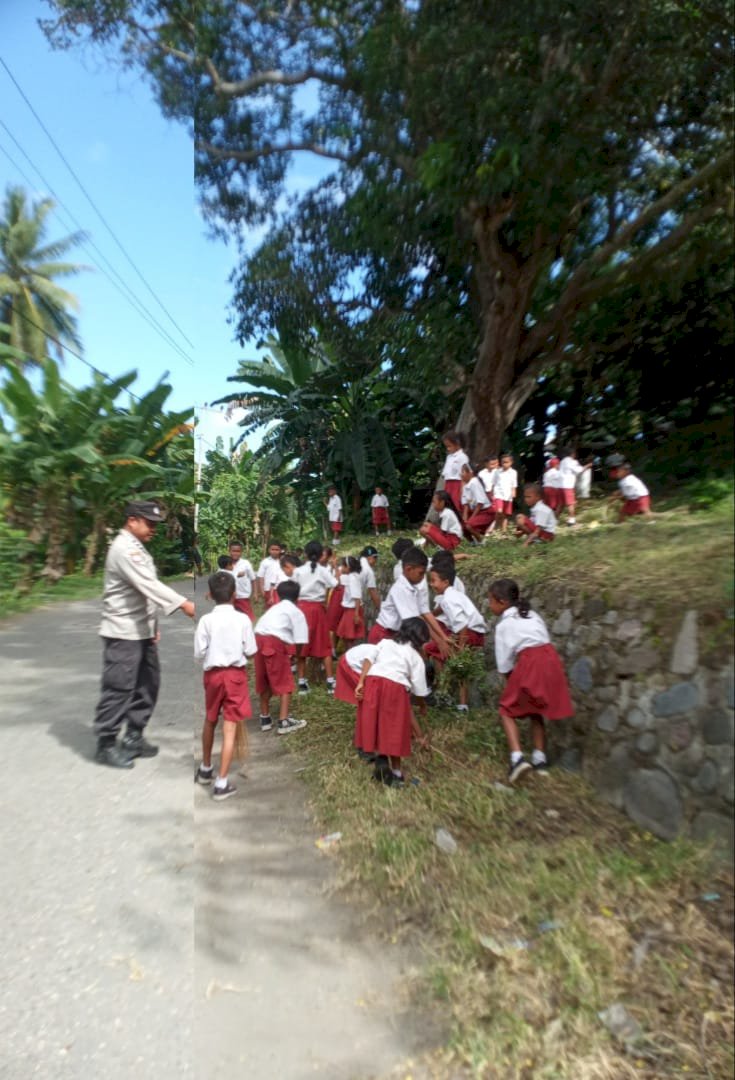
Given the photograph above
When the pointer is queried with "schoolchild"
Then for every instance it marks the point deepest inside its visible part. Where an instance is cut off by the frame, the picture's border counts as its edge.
(379, 511)
(406, 600)
(448, 559)
(315, 580)
(334, 512)
(268, 574)
(351, 626)
(487, 475)
(224, 562)
(244, 579)
(458, 618)
(368, 562)
(477, 513)
(536, 685)
(352, 664)
(452, 470)
(541, 526)
(552, 484)
(448, 533)
(635, 496)
(278, 633)
(223, 640)
(570, 469)
(386, 720)
(505, 489)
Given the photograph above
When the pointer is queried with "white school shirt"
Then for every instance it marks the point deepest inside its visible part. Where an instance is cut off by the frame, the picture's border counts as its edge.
(378, 501)
(631, 487)
(284, 621)
(423, 585)
(570, 469)
(404, 601)
(224, 638)
(268, 572)
(353, 590)
(453, 465)
(367, 574)
(356, 656)
(552, 478)
(314, 585)
(401, 664)
(543, 516)
(334, 508)
(473, 494)
(506, 482)
(487, 477)
(449, 522)
(244, 584)
(514, 633)
(459, 612)
(459, 585)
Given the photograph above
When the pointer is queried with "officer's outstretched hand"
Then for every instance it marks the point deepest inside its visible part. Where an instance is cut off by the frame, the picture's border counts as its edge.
(188, 608)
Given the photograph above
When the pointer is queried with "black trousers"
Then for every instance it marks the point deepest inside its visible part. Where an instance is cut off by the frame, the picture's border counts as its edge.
(131, 677)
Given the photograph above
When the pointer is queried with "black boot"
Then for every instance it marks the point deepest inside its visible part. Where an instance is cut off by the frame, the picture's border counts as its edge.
(136, 745)
(109, 753)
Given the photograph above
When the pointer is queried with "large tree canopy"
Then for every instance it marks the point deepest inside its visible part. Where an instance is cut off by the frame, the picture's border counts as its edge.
(518, 162)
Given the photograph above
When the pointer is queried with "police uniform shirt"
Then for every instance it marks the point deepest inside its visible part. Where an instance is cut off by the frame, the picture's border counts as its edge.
(132, 591)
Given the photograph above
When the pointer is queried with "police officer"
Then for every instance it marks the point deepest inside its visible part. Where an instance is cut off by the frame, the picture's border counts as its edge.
(130, 671)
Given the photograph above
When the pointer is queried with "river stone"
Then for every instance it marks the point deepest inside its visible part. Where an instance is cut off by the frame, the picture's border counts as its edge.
(637, 661)
(637, 719)
(717, 727)
(571, 760)
(680, 735)
(630, 631)
(677, 699)
(609, 775)
(684, 762)
(594, 607)
(705, 782)
(727, 786)
(607, 694)
(563, 624)
(580, 674)
(610, 618)
(647, 743)
(652, 800)
(608, 719)
(716, 828)
(685, 654)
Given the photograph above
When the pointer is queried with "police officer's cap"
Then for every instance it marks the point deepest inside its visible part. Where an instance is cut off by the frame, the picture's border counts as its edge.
(143, 508)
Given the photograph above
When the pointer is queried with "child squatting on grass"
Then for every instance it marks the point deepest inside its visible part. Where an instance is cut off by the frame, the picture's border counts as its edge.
(536, 685)
(386, 721)
(224, 640)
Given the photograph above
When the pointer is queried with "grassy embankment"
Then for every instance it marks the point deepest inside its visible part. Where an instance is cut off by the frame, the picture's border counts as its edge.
(554, 906)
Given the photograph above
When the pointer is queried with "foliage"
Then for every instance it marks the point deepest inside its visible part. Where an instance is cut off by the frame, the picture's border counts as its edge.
(465, 667)
(34, 308)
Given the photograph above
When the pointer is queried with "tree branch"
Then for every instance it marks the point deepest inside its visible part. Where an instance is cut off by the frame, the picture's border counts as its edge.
(259, 79)
(249, 156)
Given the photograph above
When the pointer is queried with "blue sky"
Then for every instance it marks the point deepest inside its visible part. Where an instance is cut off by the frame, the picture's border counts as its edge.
(138, 168)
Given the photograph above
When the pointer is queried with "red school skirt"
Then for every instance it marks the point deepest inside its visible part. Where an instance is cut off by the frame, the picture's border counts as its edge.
(453, 489)
(334, 608)
(379, 515)
(335, 526)
(636, 506)
(537, 686)
(315, 614)
(551, 497)
(273, 666)
(383, 725)
(347, 628)
(347, 680)
(242, 603)
(448, 541)
(226, 691)
(379, 633)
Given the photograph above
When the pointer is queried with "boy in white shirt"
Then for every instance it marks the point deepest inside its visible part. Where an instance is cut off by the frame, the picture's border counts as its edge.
(551, 484)
(634, 495)
(278, 633)
(487, 475)
(458, 617)
(334, 512)
(570, 470)
(379, 511)
(268, 573)
(541, 526)
(505, 489)
(244, 579)
(406, 600)
(224, 640)
(368, 560)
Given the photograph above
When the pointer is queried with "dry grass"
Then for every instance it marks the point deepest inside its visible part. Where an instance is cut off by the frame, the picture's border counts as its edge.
(632, 924)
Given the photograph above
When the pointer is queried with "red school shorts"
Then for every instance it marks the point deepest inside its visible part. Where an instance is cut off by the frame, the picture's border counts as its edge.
(226, 691)
(315, 614)
(503, 506)
(636, 506)
(448, 541)
(335, 526)
(379, 633)
(480, 519)
(527, 526)
(383, 725)
(379, 515)
(567, 497)
(551, 497)
(273, 666)
(473, 640)
(242, 603)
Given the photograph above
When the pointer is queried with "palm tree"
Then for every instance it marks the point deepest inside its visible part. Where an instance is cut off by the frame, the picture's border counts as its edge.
(31, 303)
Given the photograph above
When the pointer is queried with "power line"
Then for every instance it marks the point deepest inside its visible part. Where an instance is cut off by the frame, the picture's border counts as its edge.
(92, 203)
(135, 302)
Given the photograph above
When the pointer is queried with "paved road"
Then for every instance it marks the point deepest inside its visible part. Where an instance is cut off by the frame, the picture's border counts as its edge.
(148, 932)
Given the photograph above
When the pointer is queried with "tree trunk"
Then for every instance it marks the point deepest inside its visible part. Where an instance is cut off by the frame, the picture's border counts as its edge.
(93, 545)
(56, 526)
